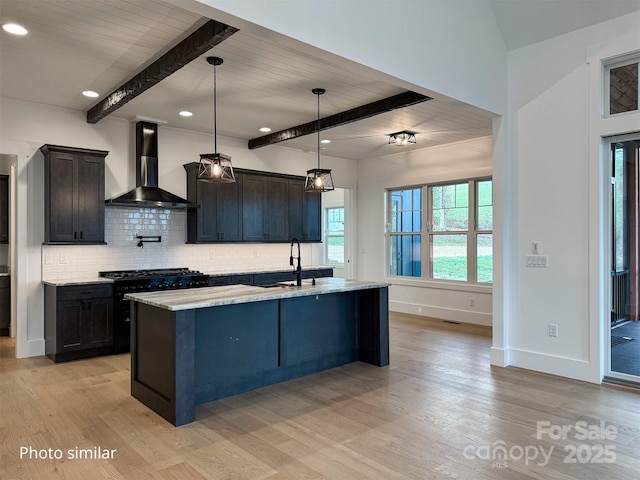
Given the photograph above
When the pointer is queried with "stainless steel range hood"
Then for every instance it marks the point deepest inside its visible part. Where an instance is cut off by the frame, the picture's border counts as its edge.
(147, 193)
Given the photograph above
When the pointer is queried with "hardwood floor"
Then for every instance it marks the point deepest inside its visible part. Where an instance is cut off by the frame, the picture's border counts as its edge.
(436, 412)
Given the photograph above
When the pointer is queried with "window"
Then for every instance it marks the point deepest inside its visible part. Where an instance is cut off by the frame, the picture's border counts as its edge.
(334, 235)
(449, 230)
(405, 232)
(484, 231)
(457, 236)
(621, 85)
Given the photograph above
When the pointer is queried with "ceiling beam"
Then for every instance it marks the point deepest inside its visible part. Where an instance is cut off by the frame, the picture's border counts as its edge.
(199, 42)
(405, 99)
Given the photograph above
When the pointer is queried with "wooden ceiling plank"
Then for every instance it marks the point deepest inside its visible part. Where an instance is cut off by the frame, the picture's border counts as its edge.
(199, 42)
(388, 104)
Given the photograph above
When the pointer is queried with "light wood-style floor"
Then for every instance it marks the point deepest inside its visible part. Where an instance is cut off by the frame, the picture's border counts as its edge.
(436, 412)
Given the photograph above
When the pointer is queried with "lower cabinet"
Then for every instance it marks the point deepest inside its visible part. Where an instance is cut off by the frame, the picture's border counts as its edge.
(78, 321)
(263, 279)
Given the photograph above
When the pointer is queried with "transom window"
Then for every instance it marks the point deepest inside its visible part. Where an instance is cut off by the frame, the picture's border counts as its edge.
(456, 240)
(621, 84)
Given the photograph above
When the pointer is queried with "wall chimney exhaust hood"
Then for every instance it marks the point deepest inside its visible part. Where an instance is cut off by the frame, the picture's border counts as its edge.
(147, 193)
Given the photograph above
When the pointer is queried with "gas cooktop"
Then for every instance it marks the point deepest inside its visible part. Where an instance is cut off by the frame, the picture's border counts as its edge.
(152, 273)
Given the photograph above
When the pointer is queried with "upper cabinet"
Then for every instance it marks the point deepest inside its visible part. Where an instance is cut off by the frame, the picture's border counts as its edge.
(74, 195)
(259, 207)
(305, 212)
(264, 209)
(4, 208)
(218, 217)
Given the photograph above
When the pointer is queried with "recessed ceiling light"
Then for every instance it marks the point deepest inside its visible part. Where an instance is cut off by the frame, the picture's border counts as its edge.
(14, 28)
(90, 94)
(265, 129)
(185, 113)
(326, 140)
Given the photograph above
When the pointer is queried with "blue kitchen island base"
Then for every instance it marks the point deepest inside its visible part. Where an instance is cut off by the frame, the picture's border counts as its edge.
(182, 358)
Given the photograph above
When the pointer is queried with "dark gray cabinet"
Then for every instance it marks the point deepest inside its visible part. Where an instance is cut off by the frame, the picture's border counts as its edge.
(263, 279)
(78, 321)
(74, 195)
(305, 213)
(219, 215)
(265, 203)
(259, 207)
(5, 305)
(4, 208)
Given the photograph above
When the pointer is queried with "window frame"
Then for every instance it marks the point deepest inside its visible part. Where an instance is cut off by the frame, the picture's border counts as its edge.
(427, 232)
(328, 235)
(391, 233)
(607, 66)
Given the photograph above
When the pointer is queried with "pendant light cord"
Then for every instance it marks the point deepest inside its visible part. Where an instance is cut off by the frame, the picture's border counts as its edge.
(318, 126)
(215, 119)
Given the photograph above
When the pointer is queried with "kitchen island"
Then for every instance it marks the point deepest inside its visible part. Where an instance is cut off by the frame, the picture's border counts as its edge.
(196, 345)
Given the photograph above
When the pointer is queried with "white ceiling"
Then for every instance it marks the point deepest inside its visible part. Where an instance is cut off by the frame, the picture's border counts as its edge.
(75, 45)
(524, 22)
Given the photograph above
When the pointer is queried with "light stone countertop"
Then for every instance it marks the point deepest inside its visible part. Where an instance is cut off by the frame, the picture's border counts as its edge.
(65, 282)
(204, 297)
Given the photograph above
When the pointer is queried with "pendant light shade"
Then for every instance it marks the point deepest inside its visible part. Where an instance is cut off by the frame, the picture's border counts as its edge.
(215, 167)
(318, 179)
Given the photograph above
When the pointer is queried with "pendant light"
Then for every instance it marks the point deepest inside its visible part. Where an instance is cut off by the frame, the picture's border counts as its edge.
(215, 167)
(318, 179)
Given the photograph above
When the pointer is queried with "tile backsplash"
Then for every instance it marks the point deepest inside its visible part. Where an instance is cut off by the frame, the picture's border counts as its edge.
(122, 225)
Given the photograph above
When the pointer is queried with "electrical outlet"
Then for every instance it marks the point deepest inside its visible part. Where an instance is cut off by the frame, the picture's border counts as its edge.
(48, 259)
(419, 309)
(63, 259)
(212, 255)
(553, 330)
(472, 302)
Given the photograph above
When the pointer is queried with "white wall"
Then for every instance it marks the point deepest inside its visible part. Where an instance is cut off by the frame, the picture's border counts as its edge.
(437, 44)
(553, 93)
(27, 126)
(457, 161)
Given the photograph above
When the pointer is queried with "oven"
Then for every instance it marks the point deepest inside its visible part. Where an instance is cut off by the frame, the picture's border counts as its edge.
(130, 281)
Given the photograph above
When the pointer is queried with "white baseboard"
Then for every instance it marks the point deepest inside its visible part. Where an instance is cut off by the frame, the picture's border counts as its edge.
(34, 348)
(451, 314)
(555, 365)
(499, 357)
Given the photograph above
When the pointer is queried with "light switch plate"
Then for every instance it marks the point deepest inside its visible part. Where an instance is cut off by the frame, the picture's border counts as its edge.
(539, 261)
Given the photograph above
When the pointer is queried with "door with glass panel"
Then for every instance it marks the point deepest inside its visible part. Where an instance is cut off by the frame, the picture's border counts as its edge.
(624, 322)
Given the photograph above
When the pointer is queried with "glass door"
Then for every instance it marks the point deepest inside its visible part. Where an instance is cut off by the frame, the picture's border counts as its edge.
(624, 325)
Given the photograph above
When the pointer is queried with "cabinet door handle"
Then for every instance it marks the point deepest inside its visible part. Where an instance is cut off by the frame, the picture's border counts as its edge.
(75, 235)
(81, 235)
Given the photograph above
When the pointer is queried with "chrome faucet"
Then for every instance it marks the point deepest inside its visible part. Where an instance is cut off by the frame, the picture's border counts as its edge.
(298, 269)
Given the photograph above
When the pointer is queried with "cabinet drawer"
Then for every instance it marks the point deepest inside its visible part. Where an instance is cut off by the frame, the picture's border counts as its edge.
(216, 281)
(273, 278)
(319, 273)
(242, 279)
(84, 292)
